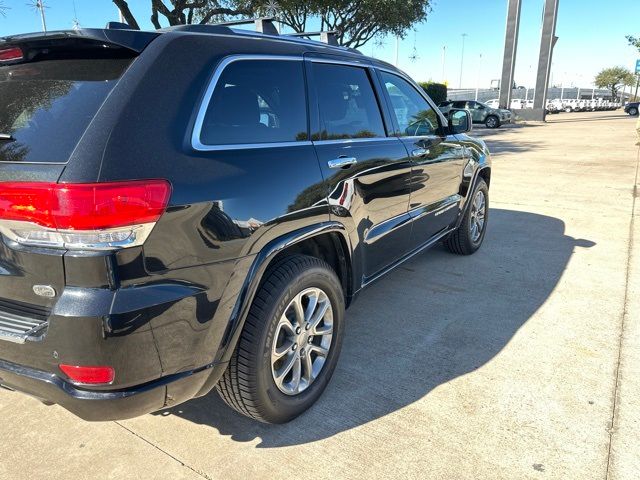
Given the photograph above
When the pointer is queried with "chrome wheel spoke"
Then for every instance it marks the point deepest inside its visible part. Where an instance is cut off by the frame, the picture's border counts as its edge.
(311, 306)
(279, 352)
(319, 316)
(307, 364)
(319, 349)
(280, 375)
(298, 310)
(297, 374)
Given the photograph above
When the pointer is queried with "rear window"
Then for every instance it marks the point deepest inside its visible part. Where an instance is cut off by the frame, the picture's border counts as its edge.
(45, 107)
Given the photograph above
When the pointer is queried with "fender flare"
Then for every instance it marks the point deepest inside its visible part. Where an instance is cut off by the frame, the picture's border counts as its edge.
(256, 272)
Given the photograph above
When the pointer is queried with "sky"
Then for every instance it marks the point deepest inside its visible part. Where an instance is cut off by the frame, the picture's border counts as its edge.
(591, 37)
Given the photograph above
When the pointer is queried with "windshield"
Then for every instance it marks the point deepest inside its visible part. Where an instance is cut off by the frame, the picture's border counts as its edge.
(45, 107)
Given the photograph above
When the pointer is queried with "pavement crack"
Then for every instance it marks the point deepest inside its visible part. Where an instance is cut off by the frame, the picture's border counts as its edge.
(625, 312)
(173, 457)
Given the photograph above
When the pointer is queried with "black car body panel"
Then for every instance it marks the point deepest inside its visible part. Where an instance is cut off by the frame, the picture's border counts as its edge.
(166, 314)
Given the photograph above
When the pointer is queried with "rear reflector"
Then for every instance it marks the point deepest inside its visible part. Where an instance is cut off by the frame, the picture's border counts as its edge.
(88, 375)
(81, 215)
(10, 54)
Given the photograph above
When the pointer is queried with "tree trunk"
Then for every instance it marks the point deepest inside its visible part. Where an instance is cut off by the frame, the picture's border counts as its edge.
(126, 13)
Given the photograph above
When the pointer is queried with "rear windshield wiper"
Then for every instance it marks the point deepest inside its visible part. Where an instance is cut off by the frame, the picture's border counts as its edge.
(6, 137)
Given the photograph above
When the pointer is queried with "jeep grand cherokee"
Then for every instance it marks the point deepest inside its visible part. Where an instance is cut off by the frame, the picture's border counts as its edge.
(194, 208)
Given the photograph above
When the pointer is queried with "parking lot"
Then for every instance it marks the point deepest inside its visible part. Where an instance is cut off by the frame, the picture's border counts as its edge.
(522, 361)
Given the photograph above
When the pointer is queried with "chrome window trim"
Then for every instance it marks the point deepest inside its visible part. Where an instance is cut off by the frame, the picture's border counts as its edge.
(196, 133)
(347, 141)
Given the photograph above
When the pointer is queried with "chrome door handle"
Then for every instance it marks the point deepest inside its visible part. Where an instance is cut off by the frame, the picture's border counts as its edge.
(420, 152)
(342, 162)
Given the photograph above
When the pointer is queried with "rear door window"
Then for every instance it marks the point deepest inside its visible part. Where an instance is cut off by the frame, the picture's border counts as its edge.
(256, 102)
(45, 107)
(348, 105)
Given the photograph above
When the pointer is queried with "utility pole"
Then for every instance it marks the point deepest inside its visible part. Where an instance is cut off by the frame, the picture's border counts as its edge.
(444, 56)
(40, 6)
(478, 79)
(464, 35)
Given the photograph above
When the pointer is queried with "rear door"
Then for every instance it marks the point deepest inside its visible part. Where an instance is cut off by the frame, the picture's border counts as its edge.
(45, 107)
(366, 170)
(436, 158)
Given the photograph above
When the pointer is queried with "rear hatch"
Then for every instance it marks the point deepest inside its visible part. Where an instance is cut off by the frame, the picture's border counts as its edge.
(51, 87)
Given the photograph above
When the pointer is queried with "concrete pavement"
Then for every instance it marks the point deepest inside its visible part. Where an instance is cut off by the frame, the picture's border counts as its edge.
(521, 361)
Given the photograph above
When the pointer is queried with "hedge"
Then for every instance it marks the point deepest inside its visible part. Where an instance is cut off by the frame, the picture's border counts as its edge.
(437, 91)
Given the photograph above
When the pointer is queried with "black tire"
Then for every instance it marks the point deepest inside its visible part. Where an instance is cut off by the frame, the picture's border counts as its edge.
(248, 385)
(633, 111)
(461, 241)
(492, 121)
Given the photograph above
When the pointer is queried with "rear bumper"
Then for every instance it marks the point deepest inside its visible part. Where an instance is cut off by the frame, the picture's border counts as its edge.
(110, 405)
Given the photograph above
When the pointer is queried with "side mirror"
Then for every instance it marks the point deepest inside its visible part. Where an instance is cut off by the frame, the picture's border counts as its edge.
(459, 121)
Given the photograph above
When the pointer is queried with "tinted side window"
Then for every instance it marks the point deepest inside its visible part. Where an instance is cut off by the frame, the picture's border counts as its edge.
(257, 101)
(459, 105)
(414, 114)
(348, 106)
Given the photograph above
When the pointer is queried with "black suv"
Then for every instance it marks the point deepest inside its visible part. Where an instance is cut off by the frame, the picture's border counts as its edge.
(196, 207)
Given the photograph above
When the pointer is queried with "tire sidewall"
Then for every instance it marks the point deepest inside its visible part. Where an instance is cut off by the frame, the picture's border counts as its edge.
(282, 407)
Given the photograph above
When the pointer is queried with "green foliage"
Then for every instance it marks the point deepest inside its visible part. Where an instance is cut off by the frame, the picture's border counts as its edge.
(633, 41)
(437, 91)
(355, 21)
(613, 78)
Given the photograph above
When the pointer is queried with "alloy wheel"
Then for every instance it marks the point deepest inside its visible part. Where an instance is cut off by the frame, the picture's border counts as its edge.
(302, 341)
(477, 217)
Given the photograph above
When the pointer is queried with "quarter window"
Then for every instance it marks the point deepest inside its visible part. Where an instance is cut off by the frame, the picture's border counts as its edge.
(414, 114)
(257, 101)
(348, 106)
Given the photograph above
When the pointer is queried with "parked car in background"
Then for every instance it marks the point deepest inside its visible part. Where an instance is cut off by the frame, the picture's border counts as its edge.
(480, 112)
(493, 103)
(632, 108)
(157, 243)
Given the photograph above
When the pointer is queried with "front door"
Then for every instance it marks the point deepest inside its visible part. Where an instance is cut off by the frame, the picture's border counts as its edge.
(367, 172)
(437, 159)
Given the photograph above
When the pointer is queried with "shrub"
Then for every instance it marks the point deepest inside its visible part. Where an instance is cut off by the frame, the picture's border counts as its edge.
(437, 91)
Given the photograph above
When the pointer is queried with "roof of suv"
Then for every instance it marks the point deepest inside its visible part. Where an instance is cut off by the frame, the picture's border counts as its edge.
(137, 40)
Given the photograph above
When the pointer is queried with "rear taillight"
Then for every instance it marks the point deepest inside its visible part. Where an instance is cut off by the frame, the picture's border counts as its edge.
(88, 375)
(82, 215)
(10, 54)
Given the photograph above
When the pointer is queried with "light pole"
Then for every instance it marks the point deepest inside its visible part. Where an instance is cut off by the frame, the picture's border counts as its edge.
(478, 79)
(464, 35)
(444, 57)
(39, 5)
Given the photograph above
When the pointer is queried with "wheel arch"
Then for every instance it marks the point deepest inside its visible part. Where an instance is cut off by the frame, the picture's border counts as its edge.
(326, 240)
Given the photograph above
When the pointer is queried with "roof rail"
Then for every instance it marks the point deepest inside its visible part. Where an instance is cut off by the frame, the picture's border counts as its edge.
(263, 24)
(330, 37)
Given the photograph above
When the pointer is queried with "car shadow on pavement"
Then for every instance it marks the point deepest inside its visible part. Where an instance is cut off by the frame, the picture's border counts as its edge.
(435, 318)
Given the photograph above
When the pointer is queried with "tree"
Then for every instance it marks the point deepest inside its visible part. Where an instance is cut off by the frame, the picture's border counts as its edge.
(634, 41)
(613, 78)
(355, 22)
